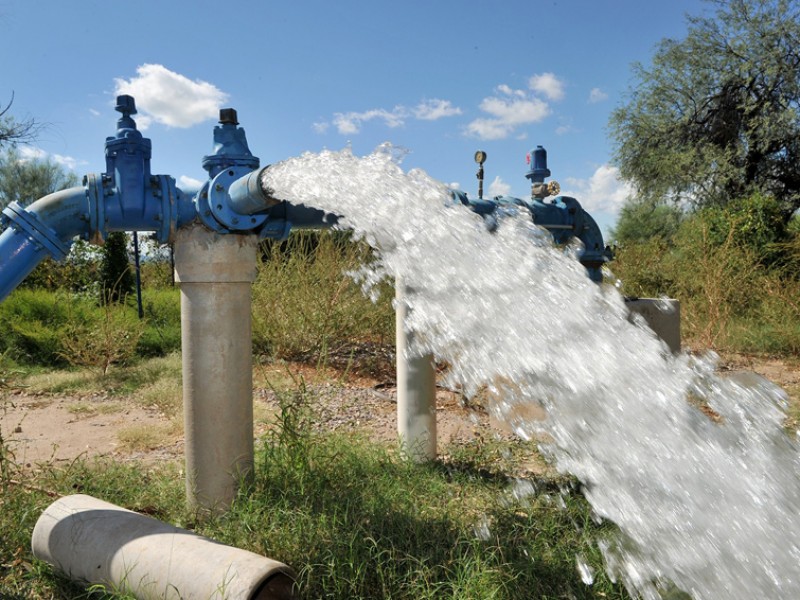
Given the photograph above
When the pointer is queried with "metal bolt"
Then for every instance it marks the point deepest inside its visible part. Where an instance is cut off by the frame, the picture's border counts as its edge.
(219, 187)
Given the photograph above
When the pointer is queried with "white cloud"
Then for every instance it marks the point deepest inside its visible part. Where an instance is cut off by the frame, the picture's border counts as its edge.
(431, 110)
(68, 162)
(547, 84)
(170, 98)
(603, 191)
(509, 110)
(597, 95)
(498, 187)
(350, 122)
(189, 183)
(28, 153)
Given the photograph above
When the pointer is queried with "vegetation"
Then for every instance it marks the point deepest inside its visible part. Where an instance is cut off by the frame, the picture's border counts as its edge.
(15, 131)
(710, 139)
(25, 180)
(734, 269)
(116, 274)
(354, 519)
(716, 116)
(305, 307)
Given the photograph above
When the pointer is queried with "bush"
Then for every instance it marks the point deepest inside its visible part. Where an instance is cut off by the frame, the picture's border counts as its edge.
(35, 323)
(304, 304)
(162, 332)
(732, 270)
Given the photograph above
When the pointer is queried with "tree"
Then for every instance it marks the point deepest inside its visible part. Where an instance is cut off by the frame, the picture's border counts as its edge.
(642, 220)
(27, 180)
(115, 271)
(716, 116)
(13, 131)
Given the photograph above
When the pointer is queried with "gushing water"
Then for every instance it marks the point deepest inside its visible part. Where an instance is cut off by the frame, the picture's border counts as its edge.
(713, 507)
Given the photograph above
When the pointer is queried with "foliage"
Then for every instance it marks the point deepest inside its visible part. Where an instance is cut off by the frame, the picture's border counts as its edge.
(116, 274)
(15, 131)
(38, 325)
(304, 304)
(717, 114)
(26, 180)
(733, 270)
(642, 220)
(107, 338)
(35, 323)
(78, 272)
(162, 312)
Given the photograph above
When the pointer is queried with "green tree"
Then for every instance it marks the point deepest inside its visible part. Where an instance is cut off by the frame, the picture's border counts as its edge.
(27, 180)
(642, 220)
(716, 116)
(115, 270)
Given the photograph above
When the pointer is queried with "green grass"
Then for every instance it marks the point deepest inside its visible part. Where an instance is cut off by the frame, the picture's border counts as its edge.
(352, 518)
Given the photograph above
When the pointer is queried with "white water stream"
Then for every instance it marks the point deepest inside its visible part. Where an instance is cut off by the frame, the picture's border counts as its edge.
(712, 507)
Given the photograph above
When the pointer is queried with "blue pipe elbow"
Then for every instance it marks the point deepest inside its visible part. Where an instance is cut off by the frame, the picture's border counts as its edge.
(46, 228)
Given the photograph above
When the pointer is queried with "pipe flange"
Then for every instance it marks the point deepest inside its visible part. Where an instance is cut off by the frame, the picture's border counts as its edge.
(204, 209)
(169, 209)
(219, 203)
(30, 224)
(97, 209)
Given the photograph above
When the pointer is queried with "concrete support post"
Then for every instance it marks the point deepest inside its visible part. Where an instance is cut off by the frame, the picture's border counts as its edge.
(416, 391)
(663, 316)
(215, 274)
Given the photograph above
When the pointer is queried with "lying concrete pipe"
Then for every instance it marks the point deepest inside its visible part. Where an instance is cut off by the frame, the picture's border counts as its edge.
(99, 543)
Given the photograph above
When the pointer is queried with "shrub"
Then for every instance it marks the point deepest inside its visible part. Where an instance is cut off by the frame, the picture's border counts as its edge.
(35, 323)
(162, 332)
(304, 304)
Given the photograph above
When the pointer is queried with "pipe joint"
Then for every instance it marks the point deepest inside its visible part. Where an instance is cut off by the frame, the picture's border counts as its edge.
(217, 205)
(29, 224)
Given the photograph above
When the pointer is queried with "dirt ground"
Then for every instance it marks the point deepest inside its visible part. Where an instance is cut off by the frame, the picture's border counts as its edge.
(47, 428)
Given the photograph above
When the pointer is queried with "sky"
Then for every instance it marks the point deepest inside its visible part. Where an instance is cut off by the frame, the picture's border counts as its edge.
(439, 79)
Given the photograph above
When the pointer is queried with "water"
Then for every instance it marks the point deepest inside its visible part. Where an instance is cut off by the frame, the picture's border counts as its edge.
(712, 506)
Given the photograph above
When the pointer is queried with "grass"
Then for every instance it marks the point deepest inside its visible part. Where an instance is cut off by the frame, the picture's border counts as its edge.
(350, 516)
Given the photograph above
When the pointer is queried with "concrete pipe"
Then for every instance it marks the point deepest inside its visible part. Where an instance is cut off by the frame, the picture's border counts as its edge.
(96, 542)
(215, 272)
(416, 390)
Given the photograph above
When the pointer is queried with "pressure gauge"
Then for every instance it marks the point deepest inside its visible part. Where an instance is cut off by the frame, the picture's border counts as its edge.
(480, 157)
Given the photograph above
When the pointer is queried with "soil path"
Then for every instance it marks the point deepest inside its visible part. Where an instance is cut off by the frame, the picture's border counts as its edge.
(43, 428)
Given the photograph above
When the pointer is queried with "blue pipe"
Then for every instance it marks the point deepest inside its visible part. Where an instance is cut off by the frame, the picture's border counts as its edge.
(563, 217)
(45, 228)
(127, 197)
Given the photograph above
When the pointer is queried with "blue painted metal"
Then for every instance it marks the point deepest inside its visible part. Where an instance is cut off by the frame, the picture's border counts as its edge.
(563, 217)
(127, 197)
(537, 158)
(124, 198)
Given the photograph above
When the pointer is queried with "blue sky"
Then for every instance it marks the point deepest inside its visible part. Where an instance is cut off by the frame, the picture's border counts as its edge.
(440, 78)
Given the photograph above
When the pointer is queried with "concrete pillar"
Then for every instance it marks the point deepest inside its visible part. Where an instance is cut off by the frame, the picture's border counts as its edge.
(663, 316)
(215, 274)
(416, 391)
